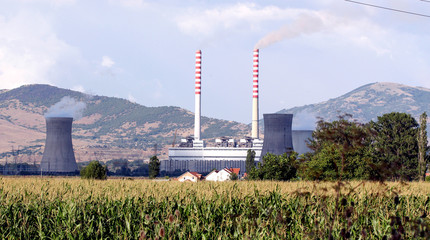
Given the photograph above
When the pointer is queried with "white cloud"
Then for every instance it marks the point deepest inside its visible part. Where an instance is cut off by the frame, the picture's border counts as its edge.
(107, 62)
(51, 2)
(128, 3)
(29, 50)
(296, 22)
(209, 21)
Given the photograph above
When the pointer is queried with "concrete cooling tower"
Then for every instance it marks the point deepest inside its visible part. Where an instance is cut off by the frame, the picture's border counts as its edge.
(58, 156)
(277, 134)
(300, 137)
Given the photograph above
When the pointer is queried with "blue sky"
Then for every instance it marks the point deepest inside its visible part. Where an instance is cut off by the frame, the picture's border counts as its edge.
(143, 50)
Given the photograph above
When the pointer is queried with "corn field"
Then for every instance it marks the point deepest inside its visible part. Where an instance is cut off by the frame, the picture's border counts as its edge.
(71, 208)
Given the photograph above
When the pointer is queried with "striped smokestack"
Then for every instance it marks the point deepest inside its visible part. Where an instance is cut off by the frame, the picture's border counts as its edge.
(197, 115)
(255, 134)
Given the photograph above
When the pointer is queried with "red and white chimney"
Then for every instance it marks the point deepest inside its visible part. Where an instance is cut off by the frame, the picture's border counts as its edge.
(255, 132)
(198, 85)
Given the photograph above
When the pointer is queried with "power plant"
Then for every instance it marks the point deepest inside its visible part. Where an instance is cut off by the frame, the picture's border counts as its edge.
(299, 141)
(193, 154)
(277, 134)
(58, 156)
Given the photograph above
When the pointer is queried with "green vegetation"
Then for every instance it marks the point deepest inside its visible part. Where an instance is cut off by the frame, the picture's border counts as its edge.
(395, 146)
(250, 160)
(233, 176)
(423, 159)
(340, 151)
(274, 167)
(154, 167)
(386, 149)
(94, 170)
(139, 209)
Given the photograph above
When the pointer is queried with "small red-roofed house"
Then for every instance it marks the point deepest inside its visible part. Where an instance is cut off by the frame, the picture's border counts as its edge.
(190, 177)
(222, 175)
(235, 170)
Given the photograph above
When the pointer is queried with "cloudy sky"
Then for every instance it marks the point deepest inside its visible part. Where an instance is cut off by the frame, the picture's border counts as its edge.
(143, 50)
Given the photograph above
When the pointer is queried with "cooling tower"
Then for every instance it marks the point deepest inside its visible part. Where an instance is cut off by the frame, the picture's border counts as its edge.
(58, 156)
(277, 134)
(300, 137)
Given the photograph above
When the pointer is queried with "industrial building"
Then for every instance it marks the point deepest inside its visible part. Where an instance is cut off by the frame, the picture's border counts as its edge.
(193, 155)
(58, 156)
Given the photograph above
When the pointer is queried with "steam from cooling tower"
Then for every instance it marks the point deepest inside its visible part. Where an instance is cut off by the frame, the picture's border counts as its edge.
(304, 24)
(67, 107)
(304, 120)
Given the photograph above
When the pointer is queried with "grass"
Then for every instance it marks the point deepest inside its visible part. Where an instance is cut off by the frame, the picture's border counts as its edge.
(71, 208)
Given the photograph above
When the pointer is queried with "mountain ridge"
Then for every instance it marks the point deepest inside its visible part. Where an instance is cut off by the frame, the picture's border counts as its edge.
(368, 102)
(107, 122)
(113, 128)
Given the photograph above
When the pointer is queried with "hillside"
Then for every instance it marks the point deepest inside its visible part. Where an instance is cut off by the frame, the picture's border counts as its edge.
(366, 103)
(110, 127)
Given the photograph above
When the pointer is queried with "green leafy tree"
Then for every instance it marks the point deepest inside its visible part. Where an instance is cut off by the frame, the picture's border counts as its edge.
(341, 150)
(250, 160)
(94, 170)
(275, 167)
(233, 176)
(154, 166)
(396, 146)
(422, 147)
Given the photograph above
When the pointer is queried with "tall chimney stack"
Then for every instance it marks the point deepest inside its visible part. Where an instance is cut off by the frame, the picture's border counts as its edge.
(197, 115)
(255, 132)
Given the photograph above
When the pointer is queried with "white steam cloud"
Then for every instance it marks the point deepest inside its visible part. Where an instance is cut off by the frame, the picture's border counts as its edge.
(304, 121)
(67, 107)
(306, 23)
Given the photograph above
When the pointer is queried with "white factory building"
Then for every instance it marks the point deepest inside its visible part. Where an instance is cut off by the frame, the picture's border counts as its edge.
(193, 155)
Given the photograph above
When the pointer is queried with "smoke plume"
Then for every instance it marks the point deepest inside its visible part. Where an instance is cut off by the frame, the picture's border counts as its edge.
(304, 121)
(67, 107)
(306, 23)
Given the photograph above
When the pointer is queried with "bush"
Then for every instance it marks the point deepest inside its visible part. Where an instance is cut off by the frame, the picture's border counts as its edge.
(427, 178)
(94, 170)
(154, 167)
(233, 176)
(275, 167)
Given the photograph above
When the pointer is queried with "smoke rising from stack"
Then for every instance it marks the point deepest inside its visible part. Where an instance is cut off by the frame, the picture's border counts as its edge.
(68, 107)
(304, 24)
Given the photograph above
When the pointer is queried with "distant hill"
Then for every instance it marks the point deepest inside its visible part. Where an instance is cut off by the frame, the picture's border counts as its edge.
(110, 127)
(366, 103)
(115, 128)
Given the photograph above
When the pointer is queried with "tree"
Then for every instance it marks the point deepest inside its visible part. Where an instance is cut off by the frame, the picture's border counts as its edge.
(396, 146)
(422, 147)
(233, 176)
(341, 150)
(94, 170)
(275, 167)
(250, 160)
(154, 166)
